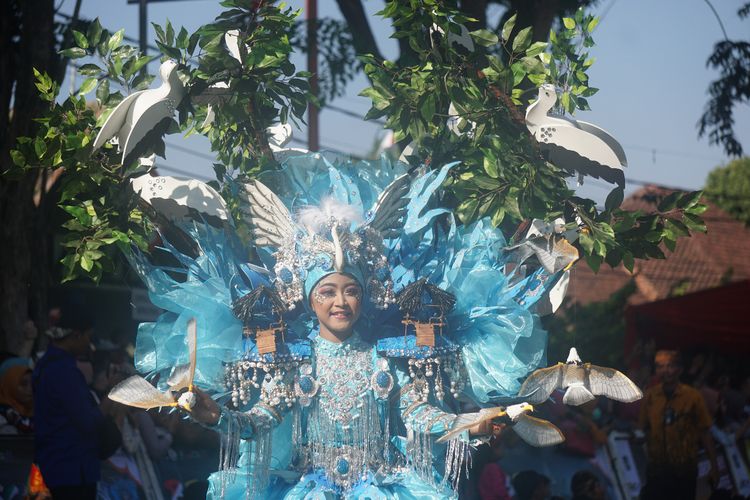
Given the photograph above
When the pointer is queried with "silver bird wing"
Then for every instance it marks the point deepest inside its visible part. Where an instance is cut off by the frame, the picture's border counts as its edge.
(269, 219)
(138, 392)
(553, 253)
(539, 385)
(537, 432)
(611, 383)
(390, 208)
(466, 421)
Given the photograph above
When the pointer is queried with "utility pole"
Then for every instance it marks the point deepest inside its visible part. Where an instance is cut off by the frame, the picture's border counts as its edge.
(142, 26)
(313, 138)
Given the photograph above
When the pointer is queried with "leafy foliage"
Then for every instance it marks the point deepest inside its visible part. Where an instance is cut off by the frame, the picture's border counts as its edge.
(568, 62)
(254, 94)
(502, 174)
(729, 188)
(732, 59)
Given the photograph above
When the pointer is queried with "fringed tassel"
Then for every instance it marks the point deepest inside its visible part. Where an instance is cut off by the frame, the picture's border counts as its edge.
(229, 451)
(260, 463)
(457, 461)
(419, 450)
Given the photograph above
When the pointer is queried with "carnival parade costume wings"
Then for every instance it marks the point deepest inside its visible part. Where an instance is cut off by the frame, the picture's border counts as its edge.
(582, 381)
(138, 392)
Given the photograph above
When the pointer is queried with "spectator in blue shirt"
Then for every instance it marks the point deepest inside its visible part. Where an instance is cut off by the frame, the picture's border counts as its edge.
(67, 418)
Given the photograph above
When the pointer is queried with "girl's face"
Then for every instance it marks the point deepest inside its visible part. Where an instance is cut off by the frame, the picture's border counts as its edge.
(337, 301)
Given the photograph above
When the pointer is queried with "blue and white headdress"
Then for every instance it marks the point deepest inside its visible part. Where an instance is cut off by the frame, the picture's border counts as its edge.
(332, 237)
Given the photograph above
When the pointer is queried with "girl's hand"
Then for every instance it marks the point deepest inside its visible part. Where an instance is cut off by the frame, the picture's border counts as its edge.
(206, 410)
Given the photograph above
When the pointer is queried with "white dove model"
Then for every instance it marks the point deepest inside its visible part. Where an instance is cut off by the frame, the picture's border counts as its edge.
(176, 198)
(575, 145)
(535, 431)
(582, 381)
(138, 392)
(143, 111)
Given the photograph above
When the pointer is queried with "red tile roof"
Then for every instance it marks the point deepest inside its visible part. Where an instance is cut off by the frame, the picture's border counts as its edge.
(699, 262)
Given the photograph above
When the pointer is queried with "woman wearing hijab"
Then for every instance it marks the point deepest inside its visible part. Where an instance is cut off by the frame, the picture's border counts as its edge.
(16, 399)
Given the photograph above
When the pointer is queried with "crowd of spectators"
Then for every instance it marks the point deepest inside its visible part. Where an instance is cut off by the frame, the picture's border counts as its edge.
(57, 387)
(709, 407)
(61, 437)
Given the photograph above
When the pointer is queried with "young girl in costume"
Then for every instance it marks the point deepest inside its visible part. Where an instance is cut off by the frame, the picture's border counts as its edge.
(322, 386)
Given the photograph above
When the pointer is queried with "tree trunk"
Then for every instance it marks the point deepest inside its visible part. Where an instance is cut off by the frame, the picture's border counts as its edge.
(24, 268)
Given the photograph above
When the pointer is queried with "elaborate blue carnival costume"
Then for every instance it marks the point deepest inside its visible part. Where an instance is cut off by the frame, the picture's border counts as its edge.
(303, 417)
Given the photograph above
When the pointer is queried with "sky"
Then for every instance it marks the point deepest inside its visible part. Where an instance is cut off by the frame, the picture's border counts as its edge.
(650, 68)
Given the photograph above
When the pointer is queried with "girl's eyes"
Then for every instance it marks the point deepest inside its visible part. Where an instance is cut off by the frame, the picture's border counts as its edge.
(329, 293)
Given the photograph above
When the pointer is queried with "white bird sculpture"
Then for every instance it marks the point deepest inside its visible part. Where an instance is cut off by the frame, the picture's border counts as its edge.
(575, 145)
(142, 113)
(176, 198)
(138, 392)
(535, 431)
(582, 381)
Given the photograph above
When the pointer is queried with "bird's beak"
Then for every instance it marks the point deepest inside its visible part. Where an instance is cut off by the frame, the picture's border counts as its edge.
(529, 407)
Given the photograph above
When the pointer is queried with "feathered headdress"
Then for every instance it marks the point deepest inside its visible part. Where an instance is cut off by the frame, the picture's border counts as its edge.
(332, 237)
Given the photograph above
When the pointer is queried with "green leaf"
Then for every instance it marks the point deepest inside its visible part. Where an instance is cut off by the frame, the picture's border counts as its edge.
(594, 261)
(115, 40)
(490, 166)
(592, 25)
(73, 53)
(484, 37)
(508, 27)
(522, 40)
(40, 147)
(427, 110)
(614, 198)
(688, 200)
(94, 33)
(18, 158)
(86, 263)
(80, 39)
(628, 261)
(88, 85)
(669, 202)
(536, 48)
(586, 242)
(569, 23)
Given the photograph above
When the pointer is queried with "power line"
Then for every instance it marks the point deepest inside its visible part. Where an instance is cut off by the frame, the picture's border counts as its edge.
(125, 37)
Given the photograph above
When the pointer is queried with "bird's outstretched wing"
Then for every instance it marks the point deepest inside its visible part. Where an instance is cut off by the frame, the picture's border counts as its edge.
(266, 214)
(137, 391)
(611, 383)
(466, 421)
(390, 208)
(539, 385)
(148, 129)
(537, 432)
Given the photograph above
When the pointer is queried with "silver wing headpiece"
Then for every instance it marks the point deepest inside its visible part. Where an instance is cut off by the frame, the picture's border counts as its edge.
(331, 237)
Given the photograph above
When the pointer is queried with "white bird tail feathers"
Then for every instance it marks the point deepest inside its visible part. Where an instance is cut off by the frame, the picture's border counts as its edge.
(576, 395)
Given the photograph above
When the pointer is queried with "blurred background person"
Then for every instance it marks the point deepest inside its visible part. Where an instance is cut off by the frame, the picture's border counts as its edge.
(68, 422)
(675, 420)
(16, 397)
(586, 486)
